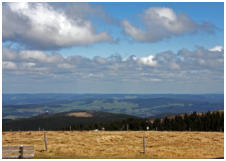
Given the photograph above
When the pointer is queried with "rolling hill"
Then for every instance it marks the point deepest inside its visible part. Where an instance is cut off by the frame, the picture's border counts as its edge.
(91, 120)
(78, 119)
(27, 105)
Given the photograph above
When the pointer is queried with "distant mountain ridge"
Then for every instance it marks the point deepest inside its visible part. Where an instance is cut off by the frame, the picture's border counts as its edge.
(9, 99)
(25, 105)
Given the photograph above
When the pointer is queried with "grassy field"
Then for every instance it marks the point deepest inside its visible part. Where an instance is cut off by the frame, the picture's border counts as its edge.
(117, 144)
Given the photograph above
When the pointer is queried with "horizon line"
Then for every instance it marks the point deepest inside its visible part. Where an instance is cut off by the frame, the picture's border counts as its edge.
(116, 93)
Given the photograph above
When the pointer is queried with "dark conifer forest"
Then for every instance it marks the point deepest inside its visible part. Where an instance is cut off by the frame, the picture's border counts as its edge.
(210, 121)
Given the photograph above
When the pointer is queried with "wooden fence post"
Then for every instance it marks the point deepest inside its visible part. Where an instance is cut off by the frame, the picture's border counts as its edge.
(127, 127)
(144, 144)
(46, 146)
(21, 151)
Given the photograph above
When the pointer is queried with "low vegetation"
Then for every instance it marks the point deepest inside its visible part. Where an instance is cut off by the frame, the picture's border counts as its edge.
(120, 144)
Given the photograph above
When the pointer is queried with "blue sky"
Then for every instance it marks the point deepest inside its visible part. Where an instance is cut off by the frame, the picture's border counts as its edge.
(212, 12)
(113, 47)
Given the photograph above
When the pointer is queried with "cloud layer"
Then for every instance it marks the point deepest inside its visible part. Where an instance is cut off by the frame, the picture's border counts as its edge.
(200, 64)
(41, 26)
(37, 30)
(73, 25)
(162, 22)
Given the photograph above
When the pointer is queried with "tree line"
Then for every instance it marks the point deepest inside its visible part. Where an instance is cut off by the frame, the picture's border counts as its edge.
(210, 121)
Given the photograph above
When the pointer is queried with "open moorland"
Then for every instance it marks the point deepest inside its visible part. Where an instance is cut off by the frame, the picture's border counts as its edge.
(120, 144)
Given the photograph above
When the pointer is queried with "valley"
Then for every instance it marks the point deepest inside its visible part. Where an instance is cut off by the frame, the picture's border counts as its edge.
(146, 106)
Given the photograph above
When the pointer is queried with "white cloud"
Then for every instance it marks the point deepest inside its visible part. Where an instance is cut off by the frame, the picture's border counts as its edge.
(65, 66)
(28, 65)
(201, 62)
(8, 54)
(8, 65)
(39, 25)
(148, 60)
(217, 48)
(100, 60)
(39, 56)
(175, 66)
(166, 18)
(167, 66)
(160, 23)
(202, 59)
(133, 31)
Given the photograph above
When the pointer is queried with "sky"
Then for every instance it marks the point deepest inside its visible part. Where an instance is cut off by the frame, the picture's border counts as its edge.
(114, 47)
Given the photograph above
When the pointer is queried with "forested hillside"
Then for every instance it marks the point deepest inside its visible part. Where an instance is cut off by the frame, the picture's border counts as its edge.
(91, 120)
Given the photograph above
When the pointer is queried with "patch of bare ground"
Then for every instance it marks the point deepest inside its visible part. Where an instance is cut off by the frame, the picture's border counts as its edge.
(80, 114)
(121, 144)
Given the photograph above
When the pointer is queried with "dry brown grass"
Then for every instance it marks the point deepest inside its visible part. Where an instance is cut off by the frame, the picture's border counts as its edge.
(117, 144)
